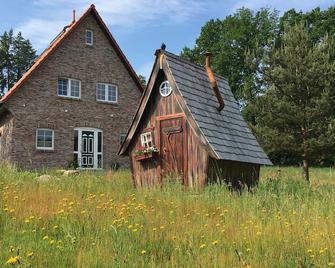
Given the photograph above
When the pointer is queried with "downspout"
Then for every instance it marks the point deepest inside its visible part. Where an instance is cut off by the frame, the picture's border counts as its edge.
(212, 80)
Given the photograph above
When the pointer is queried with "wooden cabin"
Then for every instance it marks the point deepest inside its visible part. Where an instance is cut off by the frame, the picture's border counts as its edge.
(189, 126)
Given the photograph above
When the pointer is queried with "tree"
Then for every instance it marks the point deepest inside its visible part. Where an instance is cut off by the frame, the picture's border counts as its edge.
(142, 80)
(297, 111)
(16, 57)
(229, 40)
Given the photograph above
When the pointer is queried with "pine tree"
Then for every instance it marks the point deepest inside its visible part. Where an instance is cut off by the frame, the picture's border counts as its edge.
(297, 111)
(16, 57)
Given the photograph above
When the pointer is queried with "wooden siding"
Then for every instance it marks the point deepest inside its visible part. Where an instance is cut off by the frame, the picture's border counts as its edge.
(235, 174)
(194, 154)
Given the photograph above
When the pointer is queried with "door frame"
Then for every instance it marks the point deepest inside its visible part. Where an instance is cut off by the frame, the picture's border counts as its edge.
(95, 145)
(158, 142)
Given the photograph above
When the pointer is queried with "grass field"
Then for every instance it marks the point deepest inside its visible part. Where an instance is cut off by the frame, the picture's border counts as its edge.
(100, 220)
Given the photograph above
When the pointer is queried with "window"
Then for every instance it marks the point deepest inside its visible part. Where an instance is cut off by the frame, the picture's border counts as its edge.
(165, 89)
(44, 139)
(107, 92)
(146, 140)
(69, 88)
(89, 37)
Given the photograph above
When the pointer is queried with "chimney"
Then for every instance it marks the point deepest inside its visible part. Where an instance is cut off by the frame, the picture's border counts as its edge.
(74, 16)
(212, 80)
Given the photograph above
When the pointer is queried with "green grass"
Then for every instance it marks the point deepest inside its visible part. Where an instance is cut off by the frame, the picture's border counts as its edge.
(100, 220)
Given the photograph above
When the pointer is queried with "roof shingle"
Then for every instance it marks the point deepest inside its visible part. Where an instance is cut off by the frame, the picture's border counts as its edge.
(226, 131)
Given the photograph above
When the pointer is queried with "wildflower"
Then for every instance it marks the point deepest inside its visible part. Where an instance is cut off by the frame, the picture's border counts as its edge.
(215, 242)
(258, 233)
(331, 264)
(309, 250)
(30, 254)
(55, 227)
(248, 249)
(45, 237)
(12, 260)
(52, 242)
(143, 252)
(202, 245)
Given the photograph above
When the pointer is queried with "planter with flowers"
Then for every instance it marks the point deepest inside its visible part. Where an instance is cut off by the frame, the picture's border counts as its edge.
(145, 153)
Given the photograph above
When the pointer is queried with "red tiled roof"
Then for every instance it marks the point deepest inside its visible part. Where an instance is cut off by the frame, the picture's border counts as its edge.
(53, 46)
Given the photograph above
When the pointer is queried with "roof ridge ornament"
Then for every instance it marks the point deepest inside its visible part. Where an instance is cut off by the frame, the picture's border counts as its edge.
(212, 80)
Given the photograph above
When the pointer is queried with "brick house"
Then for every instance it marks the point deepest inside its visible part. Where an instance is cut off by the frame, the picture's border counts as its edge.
(74, 104)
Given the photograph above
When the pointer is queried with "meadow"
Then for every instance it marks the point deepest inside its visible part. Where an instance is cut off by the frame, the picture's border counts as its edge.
(98, 219)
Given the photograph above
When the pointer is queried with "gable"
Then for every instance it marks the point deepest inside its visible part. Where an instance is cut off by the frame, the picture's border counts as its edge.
(65, 34)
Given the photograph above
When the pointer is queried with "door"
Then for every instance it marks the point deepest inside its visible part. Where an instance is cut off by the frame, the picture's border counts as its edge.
(87, 152)
(173, 147)
(88, 146)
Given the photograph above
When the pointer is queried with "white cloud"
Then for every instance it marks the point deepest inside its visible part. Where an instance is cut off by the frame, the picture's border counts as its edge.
(53, 15)
(280, 4)
(40, 32)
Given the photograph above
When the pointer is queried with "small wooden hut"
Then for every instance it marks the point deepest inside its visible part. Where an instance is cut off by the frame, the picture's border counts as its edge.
(189, 126)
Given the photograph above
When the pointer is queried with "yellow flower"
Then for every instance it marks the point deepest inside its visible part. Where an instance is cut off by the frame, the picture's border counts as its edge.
(309, 250)
(12, 260)
(30, 254)
(215, 242)
(202, 245)
(332, 264)
(55, 227)
(52, 242)
(258, 233)
(143, 252)
(45, 237)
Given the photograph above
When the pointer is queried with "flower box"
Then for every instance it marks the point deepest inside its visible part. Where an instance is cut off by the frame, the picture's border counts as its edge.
(144, 156)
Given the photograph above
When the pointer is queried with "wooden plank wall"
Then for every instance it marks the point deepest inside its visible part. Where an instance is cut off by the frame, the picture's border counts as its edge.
(147, 173)
(235, 174)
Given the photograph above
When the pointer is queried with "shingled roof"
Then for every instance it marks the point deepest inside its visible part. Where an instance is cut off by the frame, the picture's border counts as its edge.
(226, 132)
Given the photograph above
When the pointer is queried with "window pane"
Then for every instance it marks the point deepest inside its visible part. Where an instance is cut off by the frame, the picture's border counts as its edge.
(75, 88)
(99, 142)
(44, 138)
(89, 37)
(75, 141)
(101, 92)
(62, 87)
(112, 93)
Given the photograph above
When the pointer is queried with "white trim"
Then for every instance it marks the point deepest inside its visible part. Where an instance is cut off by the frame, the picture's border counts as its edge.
(163, 86)
(146, 138)
(106, 85)
(52, 140)
(95, 149)
(68, 93)
(89, 31)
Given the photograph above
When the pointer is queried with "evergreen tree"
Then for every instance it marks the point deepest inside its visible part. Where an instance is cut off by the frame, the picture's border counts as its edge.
(297, 111)
(16, 57)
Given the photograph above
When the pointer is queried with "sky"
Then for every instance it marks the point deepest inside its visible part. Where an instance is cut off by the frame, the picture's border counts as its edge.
(139, 26)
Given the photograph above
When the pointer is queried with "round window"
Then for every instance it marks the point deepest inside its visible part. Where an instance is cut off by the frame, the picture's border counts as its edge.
(165, 89)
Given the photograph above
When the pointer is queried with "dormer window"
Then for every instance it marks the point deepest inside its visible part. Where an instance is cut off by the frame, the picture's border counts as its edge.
(89, 37)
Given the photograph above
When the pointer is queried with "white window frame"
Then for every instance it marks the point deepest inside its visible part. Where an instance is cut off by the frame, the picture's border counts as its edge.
(91, 43)
(163, 86)
(52, 142)
(106, 85)
(146, 138)
(68, 93)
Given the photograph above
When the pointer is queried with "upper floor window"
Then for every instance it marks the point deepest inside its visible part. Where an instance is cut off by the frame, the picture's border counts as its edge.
(44, 139)
(107, 92)
(89, 37)
(68, 88)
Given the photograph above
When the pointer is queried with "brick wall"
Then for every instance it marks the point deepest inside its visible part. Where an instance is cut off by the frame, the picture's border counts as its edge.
(36, 103)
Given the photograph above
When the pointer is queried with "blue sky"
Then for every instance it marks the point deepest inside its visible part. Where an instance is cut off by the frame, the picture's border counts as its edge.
(139, 26)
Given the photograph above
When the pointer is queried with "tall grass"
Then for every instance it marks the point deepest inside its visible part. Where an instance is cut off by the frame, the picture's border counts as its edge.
(99, 220)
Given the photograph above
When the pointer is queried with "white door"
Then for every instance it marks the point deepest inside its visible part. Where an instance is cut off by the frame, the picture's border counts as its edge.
(88, 148)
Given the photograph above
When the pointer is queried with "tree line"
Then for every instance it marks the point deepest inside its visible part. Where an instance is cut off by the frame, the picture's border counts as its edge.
(281, 69)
